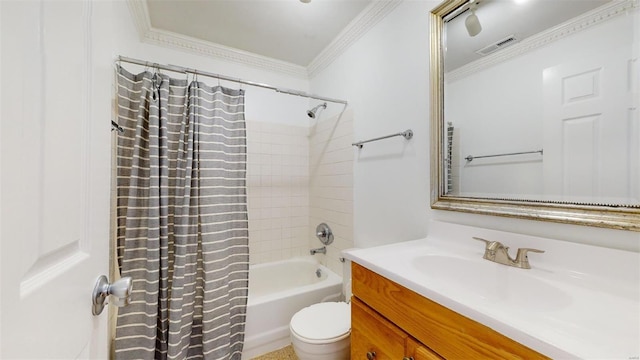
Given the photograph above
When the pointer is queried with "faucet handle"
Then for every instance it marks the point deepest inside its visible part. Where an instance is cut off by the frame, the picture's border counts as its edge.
(524, 251)
(487, 242)
(490, 248)
(491, 245)
(522, 260)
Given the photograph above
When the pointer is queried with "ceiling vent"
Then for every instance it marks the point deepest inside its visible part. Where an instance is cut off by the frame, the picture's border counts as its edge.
(500, 44)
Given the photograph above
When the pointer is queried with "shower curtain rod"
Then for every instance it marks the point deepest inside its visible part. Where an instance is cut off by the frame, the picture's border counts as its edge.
(181, 69)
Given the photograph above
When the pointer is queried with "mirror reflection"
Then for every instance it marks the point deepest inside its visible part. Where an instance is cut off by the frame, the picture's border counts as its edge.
(541, 101)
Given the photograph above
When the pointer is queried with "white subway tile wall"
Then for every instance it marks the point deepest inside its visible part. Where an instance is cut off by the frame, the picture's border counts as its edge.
(277, 191)
(331, 184)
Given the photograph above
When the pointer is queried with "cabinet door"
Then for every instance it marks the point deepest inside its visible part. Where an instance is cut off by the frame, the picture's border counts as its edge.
(372, 336)
(417, 351)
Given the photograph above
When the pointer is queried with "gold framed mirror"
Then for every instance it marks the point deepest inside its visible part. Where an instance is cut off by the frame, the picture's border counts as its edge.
(554, 201)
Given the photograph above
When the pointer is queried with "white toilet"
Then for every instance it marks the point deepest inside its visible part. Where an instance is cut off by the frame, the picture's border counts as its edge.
(323, 331)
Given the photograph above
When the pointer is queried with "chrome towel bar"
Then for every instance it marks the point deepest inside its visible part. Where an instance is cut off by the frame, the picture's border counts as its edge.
(470, 157)
(407, 134)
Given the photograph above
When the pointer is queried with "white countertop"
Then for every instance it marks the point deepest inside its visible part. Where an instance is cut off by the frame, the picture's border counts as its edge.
(577, 301)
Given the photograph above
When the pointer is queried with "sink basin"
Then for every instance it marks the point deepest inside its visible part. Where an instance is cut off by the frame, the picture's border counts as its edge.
(577, 301)
(492, 282)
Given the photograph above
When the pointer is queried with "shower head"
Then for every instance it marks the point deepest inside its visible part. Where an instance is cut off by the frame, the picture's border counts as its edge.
(312, 113)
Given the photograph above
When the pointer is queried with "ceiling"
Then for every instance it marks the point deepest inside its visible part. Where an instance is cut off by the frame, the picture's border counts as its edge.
(502, 18)
(285, 30)
(301, 38)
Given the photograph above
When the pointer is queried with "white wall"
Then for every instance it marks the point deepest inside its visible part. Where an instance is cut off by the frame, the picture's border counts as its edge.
(384, 76)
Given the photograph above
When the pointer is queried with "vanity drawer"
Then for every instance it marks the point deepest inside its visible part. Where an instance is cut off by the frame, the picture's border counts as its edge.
(373, 336)
(446, 332)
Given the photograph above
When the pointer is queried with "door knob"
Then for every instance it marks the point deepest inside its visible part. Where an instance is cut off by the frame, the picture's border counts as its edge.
(120, 290)
(371, 355)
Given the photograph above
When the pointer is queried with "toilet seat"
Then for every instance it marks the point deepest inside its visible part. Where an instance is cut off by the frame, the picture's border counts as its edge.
(322, 323)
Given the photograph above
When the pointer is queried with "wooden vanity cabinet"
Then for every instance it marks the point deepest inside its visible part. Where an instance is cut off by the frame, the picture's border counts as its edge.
(374, 337)
(417, 351)
(397, 323)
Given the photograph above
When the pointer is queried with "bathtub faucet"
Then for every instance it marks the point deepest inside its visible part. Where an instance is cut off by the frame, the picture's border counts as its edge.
(322, 250)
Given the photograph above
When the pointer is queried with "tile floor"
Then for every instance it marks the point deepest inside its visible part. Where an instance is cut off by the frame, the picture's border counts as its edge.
(285, 353)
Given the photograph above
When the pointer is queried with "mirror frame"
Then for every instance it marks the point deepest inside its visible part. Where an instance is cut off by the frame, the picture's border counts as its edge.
(613, 217)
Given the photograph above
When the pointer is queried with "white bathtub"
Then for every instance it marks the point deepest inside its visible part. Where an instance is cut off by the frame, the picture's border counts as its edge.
(277, 291)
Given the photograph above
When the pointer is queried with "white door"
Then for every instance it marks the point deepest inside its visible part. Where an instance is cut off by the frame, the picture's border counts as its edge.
(590, 117)
(55, 155)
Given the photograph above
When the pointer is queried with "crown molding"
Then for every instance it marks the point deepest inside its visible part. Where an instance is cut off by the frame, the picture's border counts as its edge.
(151, 35)
(359, 26)
(201, 47)
(370, 16)
(140, 14)
(575, 25)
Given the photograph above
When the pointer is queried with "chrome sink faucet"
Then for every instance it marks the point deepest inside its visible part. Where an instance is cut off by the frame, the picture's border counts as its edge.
(495, 251)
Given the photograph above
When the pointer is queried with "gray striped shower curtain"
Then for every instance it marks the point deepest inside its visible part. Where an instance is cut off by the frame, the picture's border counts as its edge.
(182, 231)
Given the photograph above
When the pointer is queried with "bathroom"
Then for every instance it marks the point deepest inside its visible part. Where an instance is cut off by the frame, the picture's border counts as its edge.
(382, 72)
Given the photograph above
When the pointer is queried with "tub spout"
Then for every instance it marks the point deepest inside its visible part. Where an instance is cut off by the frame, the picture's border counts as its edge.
(322, 250)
